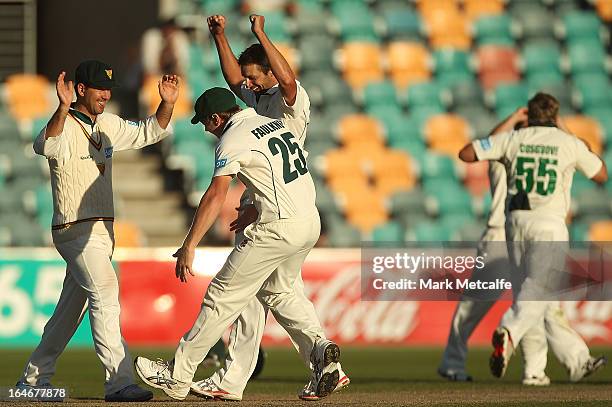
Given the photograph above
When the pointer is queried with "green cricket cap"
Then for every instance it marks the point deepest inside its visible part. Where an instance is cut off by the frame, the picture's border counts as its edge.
(95, 74)
(214, 100)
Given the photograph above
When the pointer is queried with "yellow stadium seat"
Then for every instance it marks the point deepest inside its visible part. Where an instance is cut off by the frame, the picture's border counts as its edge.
(604, 9)
(409, 62)
(128, 234)
(475, 9)
(447, 133)
(392, 171)
(28, 96)
(601, 231)
(429, 7)
(587, 129)
(340, 163)
(448, 29)
(361, 63)
(364, 208)
(290, 55)
(360, 129)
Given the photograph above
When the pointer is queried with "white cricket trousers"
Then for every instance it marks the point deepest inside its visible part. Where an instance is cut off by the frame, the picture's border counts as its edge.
(264, 267)
(556, 332)
(90, 283)
(537, 250)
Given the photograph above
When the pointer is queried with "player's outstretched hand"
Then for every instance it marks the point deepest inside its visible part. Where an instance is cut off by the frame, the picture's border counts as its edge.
(246, 216)
(216, 24)
(169, 88)
(65, 91)
(257, 23)
(184, 263)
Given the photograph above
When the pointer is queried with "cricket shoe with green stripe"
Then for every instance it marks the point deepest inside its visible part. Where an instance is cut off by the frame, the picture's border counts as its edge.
(158, 374)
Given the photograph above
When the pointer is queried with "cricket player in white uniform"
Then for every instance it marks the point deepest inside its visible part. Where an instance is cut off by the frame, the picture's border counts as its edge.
(569, 348)
(263, 79)
(264, 154)
(79, 142)
(540, 161)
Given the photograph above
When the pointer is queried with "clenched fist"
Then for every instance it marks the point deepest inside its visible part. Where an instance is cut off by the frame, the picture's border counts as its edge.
(216, 24)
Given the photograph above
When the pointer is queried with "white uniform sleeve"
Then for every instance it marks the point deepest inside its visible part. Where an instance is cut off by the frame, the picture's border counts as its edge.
(248, 96)
(586, 162)
(492, 147)
(128, 135)
(301, 104)
(229, 159)
(53, 147)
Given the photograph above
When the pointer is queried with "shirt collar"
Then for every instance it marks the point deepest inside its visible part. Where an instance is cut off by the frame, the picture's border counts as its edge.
(243, 114)
(81, 116)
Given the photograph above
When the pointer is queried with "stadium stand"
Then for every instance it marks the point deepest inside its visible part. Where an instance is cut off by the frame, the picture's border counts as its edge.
(396, 88)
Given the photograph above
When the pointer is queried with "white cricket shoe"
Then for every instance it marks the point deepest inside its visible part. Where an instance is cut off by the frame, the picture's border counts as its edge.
(309, 392)
(324, 360)
(158, 374)
(502, 344)
(208, 389)
(536, 381)
(592, 365)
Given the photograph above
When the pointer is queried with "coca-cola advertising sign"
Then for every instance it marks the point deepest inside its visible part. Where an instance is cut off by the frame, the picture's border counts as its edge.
(157, 309)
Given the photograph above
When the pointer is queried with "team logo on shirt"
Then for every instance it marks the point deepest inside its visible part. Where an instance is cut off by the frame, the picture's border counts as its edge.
(220, 163)
(108, 152)
(485, 143)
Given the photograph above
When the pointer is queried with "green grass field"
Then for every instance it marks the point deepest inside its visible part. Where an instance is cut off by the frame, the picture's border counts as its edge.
(379, 376)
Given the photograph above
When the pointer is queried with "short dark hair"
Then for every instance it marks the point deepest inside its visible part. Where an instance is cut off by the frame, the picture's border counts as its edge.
(542, 110)
(255, 55)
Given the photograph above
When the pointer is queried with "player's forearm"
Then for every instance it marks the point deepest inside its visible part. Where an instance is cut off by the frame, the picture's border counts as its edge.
(229, 63)
(509, 123)
(55, 127)
(164, 114)
(280, 67)
(206, 214)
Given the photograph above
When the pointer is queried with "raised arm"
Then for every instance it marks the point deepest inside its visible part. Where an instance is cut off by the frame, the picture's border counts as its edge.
(205, 216)
(280, 67)
(229, 63)
(65, 93)
(517, 119)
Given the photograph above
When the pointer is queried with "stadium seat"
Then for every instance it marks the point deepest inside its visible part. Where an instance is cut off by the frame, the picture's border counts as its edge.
(392, 171)
(541, 57)
(586, 57)
(379, 94)
(128, 234)
(28, 96)
(401, 23)
(364, 209)
(339, 163)
(447, 133)
(494, 30)
(361, 63)
(507, 97)
(604, 9)
(424, 95)
(414, 146)
(579, 231)
(218, 6)
(592, 202)
(316, 52)
(360, 129)
(581, 26)
(407, 203)
(604, 117)
(601, 231)
(389, 233)
(475, 9)
(496, 65)
(588, 129)
(452, 67)
(580, 184)
(355, 21)
(448, 29)
(325, 88)
(429, 231)
(436, 167)
(444, 197)
(466, 93)
(534, 20)
(398, 126)
(481, 120)
(340, 233)
(409, 62)
(592, 91)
